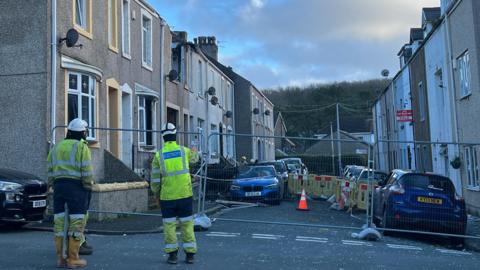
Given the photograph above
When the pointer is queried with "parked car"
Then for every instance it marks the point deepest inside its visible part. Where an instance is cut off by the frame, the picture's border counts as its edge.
(378, 177)
(300, 167)
(282, 172)
(23, 198)
(256, 183)
(420, 201)
(354, 172)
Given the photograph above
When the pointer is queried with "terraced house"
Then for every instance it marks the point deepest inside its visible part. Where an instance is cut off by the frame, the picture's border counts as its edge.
(111, 77)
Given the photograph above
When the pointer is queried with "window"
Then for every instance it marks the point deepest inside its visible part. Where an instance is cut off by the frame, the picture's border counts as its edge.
(146, 120)
(146, 40)
(214, 141)
(465, 75)
(222, 92)
(126, 28)
(471, 166)
(200, 128)
(82, 17)
(421, 101)
(229, 96)
(112, 25)
(81, 100)
(200, 78)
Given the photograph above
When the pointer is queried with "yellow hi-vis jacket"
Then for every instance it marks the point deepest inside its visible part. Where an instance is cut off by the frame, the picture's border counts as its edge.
(170, 175)
(71, 159)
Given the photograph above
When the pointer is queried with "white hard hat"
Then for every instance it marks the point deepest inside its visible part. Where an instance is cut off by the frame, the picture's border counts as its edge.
(168, 128)
(77, 124)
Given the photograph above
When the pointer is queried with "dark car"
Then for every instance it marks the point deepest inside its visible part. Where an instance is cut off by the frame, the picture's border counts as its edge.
(23, 198)
(256, 183)
(420, 201)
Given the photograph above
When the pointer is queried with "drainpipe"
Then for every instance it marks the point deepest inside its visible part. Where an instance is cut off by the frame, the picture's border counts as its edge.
(53, 69)
(234, 131)
(162, 75)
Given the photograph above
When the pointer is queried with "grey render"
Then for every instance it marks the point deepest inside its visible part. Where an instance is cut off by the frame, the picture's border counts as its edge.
(248, 124)
(464, 24)
(26, 97)
(188, 103)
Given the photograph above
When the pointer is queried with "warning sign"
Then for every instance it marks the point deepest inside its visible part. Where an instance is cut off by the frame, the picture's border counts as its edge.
(405, 115)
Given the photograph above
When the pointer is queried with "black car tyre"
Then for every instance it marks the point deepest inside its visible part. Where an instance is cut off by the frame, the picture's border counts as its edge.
(386, 222)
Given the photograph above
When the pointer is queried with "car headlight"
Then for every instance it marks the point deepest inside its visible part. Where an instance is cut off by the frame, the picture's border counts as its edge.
(234, 187)
(272, 185)
(9, 186)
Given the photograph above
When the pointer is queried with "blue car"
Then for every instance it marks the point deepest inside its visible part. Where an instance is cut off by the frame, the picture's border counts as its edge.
(256, 183)
(420, 201)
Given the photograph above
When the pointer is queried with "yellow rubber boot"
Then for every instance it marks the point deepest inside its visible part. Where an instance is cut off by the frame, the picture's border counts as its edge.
(61, 262)
(73, 260)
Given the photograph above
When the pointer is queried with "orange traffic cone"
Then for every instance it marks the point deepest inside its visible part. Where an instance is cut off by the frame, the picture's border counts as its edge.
(302, 204)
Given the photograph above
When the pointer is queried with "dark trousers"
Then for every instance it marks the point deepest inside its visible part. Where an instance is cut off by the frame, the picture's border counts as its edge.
(72, 193)
(177, 208)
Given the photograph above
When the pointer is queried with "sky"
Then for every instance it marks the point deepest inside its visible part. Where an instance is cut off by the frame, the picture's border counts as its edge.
(279, 43)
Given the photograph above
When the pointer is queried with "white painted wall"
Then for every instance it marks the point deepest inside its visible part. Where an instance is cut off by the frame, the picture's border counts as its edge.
(439, 106)
(404, 130)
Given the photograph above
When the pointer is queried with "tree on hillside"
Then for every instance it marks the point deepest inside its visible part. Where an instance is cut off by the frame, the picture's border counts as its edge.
(310, 110)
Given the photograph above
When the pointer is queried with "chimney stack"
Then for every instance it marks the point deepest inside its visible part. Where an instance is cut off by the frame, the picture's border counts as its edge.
(208, 45)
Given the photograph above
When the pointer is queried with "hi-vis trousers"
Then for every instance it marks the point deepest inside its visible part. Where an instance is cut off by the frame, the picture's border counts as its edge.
(183, 209)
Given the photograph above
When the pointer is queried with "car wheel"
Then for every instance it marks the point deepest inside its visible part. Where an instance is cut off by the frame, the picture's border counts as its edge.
(386, 222)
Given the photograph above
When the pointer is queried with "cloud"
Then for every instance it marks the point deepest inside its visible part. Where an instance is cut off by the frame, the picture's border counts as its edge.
(280, 42)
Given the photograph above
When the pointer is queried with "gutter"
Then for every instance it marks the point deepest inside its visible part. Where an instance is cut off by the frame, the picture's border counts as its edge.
(53, 70)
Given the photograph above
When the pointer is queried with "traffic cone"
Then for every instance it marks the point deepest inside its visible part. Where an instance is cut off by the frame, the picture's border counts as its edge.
(302, 204)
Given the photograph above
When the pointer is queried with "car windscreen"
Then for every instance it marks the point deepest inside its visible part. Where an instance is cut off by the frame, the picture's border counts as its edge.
(296, 162)
(377, 176)
(432, 182)
(278, 166)
(256, 171)
(355, 171)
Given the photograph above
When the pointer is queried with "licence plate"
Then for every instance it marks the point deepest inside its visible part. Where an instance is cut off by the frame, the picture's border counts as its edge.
(254, 193)
(41, 203)
(429, 200)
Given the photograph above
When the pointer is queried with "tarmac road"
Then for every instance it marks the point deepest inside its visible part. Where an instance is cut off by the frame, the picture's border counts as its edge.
(241, 245)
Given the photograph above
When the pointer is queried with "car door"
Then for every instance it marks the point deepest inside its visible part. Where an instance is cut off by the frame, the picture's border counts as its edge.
(381, 195)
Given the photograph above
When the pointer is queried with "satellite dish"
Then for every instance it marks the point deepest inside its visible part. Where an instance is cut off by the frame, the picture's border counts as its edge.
(172, 75)
(72, 37)
(267, 112)
(214, 100)
(385, 73)
(211, 91)
(256, 111)
(229, 114)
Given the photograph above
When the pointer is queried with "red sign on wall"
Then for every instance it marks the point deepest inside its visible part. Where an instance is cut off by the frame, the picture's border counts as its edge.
(405, 115)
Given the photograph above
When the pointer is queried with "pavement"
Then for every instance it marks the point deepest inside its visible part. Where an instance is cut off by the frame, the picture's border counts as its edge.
(290, 240)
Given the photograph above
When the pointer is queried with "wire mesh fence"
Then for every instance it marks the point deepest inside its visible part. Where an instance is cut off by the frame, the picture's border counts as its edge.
(404, 186)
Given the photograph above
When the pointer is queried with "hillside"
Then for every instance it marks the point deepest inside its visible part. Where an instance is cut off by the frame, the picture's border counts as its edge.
(309, 110)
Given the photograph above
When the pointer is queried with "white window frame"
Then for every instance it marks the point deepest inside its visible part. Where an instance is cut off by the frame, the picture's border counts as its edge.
(126, 44)
(200, 76)
(142, 136)
(83, 18)
(147, 63)
(422, 101)
(471, 167)
(464, 69)
(214, 142)
(92, 117)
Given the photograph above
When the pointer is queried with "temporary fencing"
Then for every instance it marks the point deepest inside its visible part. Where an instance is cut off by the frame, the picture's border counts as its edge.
(238, 173)
(428, 189)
